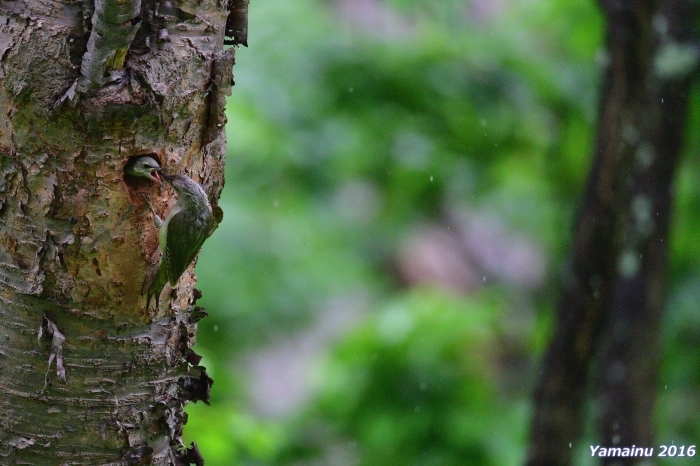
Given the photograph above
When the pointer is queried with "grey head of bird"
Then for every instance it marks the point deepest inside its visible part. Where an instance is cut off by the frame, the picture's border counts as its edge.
(185, 186)
(144, 167)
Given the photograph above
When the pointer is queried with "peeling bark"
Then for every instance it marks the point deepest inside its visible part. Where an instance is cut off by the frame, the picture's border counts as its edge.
(114, 26)
(613, 299)
(88, 375)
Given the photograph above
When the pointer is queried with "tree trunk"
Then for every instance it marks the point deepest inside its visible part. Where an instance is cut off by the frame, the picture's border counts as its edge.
(612, 303)
(88, 374)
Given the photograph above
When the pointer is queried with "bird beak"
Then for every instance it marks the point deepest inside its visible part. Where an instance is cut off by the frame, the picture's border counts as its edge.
(156, 176)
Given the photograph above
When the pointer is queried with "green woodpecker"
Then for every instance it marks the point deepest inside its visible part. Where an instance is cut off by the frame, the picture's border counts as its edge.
(145, 167)
(189, 223)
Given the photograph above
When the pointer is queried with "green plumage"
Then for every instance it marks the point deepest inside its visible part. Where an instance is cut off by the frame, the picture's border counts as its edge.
(181, 235)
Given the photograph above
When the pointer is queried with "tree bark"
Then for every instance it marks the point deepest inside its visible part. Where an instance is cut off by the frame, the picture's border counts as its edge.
(612, 303)
(88, 374)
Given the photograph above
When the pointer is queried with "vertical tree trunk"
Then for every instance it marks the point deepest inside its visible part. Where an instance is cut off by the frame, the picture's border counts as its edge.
(88, 374)
(612, 303)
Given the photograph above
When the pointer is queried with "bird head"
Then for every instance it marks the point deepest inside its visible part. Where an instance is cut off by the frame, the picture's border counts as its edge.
(145, 167)
(181, 183)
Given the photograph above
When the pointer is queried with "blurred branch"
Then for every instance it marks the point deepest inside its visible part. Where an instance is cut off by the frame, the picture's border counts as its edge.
(612, 302)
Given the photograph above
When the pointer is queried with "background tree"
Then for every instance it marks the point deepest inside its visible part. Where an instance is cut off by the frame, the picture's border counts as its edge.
(612, 305)
(85, 87)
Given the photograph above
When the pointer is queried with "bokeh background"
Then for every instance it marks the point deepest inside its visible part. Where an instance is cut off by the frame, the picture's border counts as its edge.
(401, 186)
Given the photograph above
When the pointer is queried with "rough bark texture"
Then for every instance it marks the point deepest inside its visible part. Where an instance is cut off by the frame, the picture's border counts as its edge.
(77, 240)
(613, 299)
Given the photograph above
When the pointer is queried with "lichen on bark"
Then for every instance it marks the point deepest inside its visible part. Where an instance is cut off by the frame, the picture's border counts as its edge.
(76, 238)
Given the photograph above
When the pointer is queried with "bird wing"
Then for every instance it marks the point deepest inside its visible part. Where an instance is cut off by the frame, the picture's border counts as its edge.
(185, 236)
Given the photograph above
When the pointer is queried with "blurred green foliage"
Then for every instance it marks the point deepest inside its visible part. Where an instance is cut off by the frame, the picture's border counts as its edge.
(415, 385)
(352, 123)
